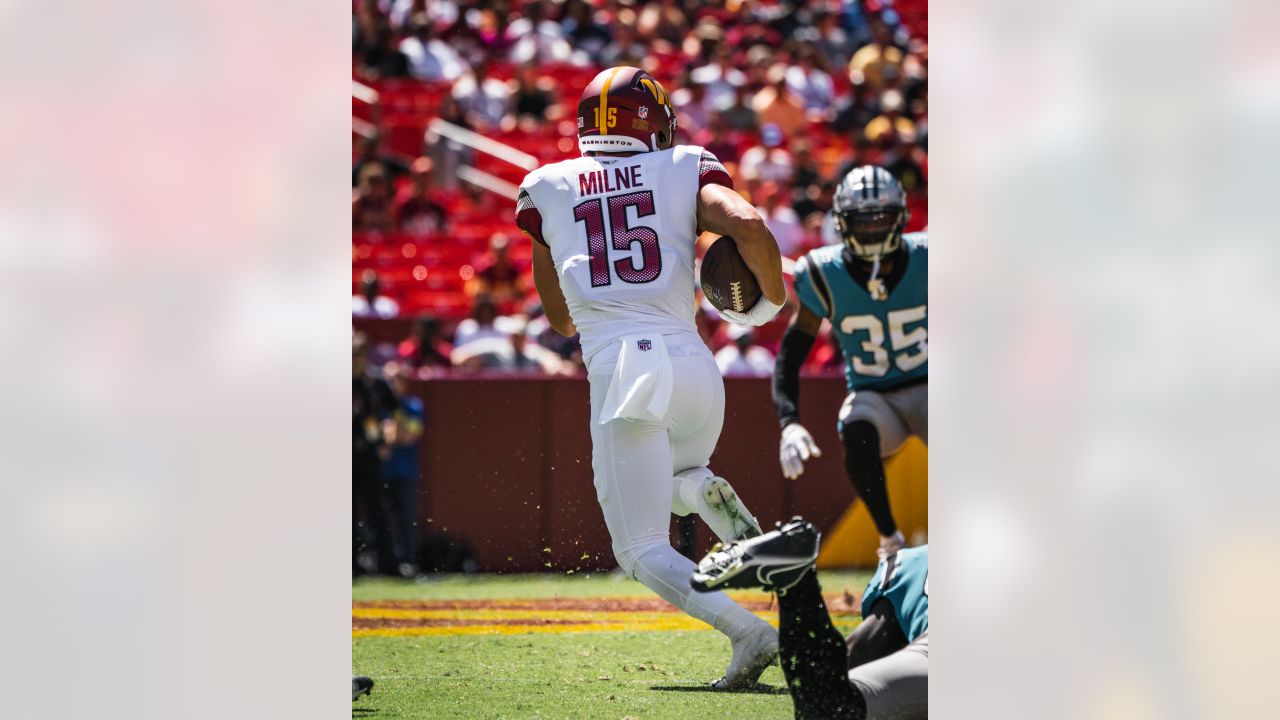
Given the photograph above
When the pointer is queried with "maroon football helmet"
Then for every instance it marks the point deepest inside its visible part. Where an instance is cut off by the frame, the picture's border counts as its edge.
(625, 109)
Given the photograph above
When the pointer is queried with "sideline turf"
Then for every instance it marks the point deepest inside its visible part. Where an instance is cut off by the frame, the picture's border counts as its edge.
(556, 675)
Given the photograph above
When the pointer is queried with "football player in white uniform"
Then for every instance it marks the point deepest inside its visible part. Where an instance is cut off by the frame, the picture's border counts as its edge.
(613, 235)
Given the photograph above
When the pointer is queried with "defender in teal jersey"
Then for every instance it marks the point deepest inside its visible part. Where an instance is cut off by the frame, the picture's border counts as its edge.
(874, 290)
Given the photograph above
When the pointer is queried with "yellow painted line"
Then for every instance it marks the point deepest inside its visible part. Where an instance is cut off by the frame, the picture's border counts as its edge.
(663, 623)
(558, 615)
(487, 630)
(499, 621)
(543, 605)
(680, 623)
(685, 623)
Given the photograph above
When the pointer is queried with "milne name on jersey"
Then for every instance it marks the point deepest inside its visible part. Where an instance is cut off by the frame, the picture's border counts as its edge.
(603, 181)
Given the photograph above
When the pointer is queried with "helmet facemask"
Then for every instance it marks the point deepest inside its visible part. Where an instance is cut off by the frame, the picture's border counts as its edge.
(872, 235)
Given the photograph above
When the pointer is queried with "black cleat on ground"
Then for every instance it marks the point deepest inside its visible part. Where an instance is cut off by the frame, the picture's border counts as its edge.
(775, 560)
(360, 685)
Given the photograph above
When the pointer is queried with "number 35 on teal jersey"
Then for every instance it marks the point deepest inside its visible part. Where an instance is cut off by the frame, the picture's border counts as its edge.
(885, 343)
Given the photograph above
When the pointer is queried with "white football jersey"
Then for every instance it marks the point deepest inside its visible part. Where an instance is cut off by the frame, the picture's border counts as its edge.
(622, 231)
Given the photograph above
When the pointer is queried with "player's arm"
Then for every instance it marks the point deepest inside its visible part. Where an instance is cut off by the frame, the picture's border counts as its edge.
(725, 212)
(545, 279)
(797, 342)
(547, 282)
(797, 444)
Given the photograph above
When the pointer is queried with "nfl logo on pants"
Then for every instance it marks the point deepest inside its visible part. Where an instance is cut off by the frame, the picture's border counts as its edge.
(644, 345)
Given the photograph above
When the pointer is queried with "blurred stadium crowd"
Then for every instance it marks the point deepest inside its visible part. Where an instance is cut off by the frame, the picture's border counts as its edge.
(789, 95)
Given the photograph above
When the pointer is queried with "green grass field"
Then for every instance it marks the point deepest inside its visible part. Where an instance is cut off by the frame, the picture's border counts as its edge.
(550, 671)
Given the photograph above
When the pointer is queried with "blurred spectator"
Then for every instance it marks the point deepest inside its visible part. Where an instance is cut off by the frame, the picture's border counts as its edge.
(568, 349)
(528, 358)
(759, 59)
(915, 81)
(818, 228)
(448, 155)
(624, 50)
(371, 401)
(777, 105)
(813, 199)
(429, 57)
(368, 153)
(835, 44)
(742, 357)
(891, 119)
(425, 348)
(768, 161)
(690, 102)
(584, 30)
(811, 84)
(480, 326)
(533, 97)
(805, 169)
(899, 159)
(509, 352)
(498, 276)
(737, 112)
(701, 43)
(401, 471)
(485, 99)
(372, 40)
(716, 140)
(418, 213)
(781, 219)
(721, 79)
(855, 110)
(371, 209)
(370, 303)
(535, 38)
(403, 12)
(879, 62)
(490, 24)
(662, 24)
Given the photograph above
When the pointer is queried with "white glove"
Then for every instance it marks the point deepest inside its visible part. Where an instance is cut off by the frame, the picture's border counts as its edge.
(759, 314)
(797, 446)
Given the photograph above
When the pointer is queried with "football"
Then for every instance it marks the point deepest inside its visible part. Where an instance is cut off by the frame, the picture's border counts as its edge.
(726, 280)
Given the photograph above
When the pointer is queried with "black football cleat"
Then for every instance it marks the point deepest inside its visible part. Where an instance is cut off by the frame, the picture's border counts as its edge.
(360, 685)
(775, 560)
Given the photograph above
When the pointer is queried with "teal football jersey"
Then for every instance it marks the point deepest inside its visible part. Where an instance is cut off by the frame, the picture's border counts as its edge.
(885, 343)
(906, 588)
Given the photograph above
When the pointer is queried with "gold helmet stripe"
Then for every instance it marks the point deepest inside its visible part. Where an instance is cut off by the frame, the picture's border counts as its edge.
(604, 101)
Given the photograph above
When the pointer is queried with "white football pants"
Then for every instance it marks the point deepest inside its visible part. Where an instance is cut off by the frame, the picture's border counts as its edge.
(636, 464)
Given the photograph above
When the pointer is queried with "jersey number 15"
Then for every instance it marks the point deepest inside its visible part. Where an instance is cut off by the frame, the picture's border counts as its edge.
(591, 212)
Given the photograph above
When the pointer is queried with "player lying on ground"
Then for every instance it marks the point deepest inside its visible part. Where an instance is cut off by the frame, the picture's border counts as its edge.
(614, 235)
(874, 289)
(883, 672)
